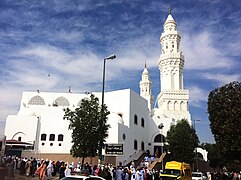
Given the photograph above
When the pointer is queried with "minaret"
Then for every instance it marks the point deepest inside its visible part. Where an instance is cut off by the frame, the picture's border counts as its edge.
(146, 88)
(173, 98)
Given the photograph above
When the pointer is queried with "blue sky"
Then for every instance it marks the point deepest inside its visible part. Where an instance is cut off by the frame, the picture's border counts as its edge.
(68, 39)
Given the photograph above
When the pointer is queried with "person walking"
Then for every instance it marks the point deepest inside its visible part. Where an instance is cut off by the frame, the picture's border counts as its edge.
(41, 170)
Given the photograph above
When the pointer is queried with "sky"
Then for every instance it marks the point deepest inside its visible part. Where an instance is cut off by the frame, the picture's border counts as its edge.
(49, 45)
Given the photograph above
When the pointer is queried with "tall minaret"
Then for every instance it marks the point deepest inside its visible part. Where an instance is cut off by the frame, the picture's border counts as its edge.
(146, 88)
(173, 98)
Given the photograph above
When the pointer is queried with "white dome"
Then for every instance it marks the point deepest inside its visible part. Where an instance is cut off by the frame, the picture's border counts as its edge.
(115, 118)
(145, 72)
(26, 112)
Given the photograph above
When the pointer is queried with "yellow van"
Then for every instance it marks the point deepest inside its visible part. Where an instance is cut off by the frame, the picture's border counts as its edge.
(176, 170)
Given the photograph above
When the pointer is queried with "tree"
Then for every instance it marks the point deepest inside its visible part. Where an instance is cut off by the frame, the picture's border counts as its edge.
(224, 108)
(214, 158)
(89, 128)
(182, 141)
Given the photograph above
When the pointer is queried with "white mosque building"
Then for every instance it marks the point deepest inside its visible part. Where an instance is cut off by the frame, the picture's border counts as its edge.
(133, 120)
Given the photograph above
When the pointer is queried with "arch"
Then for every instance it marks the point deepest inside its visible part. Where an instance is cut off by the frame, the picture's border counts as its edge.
(169, 105)
(182, 106)
(159, 138)
(135, 119)
(176, 106)
(61, 101)
(85, 98)
(142, 146)
(36, 100)
(18, 133)
(135, 144)
(142, 122)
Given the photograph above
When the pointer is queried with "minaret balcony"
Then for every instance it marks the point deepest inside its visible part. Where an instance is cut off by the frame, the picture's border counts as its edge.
(171, 55)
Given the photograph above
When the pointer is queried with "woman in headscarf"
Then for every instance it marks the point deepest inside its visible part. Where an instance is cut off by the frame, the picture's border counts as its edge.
(41, 170)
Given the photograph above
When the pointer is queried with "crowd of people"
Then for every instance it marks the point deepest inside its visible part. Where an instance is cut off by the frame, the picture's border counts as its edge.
(47, 169)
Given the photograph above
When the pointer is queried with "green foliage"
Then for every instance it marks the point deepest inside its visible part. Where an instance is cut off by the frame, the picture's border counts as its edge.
(224, 108)
(89, 128)
(182, 141)
(215, 159)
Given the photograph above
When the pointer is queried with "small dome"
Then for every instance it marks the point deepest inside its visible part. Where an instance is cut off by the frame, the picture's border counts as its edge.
(26, 112)
(114, 117)
(145, 72)
(170, 19)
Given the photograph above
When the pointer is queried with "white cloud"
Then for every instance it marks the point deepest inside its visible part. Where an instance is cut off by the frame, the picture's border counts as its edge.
(222, 78)
(197, 96)
(200, 52)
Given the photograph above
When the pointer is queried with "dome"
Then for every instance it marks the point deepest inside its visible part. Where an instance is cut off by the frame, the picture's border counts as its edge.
(145, 72)
(115, 118)
(26, 112)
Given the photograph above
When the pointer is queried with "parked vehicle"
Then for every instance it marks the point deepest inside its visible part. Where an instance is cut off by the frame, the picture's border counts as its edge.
(176, 170)
(81, 177)
(198, 176)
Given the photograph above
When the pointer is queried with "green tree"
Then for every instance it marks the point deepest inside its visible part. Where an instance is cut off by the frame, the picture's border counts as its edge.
(214, 158)
(89, 128)
(224, 108)
(182, 141)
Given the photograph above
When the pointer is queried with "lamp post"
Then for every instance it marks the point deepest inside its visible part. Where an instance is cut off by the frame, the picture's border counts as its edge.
(194, 127)
(111, 57)
(161, 126)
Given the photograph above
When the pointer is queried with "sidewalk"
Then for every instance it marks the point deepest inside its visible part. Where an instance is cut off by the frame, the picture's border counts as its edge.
(17, 176)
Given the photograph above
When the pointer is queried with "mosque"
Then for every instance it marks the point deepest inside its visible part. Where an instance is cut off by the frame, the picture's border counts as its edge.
(136, 126)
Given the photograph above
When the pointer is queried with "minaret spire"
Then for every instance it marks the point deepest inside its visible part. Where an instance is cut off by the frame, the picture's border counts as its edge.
(169, 10)
(146, 87)
(173, 97)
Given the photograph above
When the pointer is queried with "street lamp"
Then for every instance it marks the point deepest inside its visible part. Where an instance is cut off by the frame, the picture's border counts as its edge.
(111, 57)
(194, 127)
(161, 126)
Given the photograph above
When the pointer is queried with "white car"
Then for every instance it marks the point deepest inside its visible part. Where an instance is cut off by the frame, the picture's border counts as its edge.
(81, 177)
(198, 176)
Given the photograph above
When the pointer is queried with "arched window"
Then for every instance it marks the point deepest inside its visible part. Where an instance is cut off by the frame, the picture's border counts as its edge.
(142, 146)
(43, 137)
(135, 144)
(176, 106)
(159, 138)
(36, 100)
(135, 119)
(61, 101)
(60, 137)
(169, 105)
(182, 106)
(51, 137)
(142, 122)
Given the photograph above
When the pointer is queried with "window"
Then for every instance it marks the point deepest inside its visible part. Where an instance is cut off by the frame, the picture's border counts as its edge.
(19, 138)
(135, 144)
(60, 144)
(51, 137)
(142, 122)
(36, 100)
(124, 136)
(142, 146)
(135, 119)
(51, 144)
(43, 137)
(60, 137)
(42, 144)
